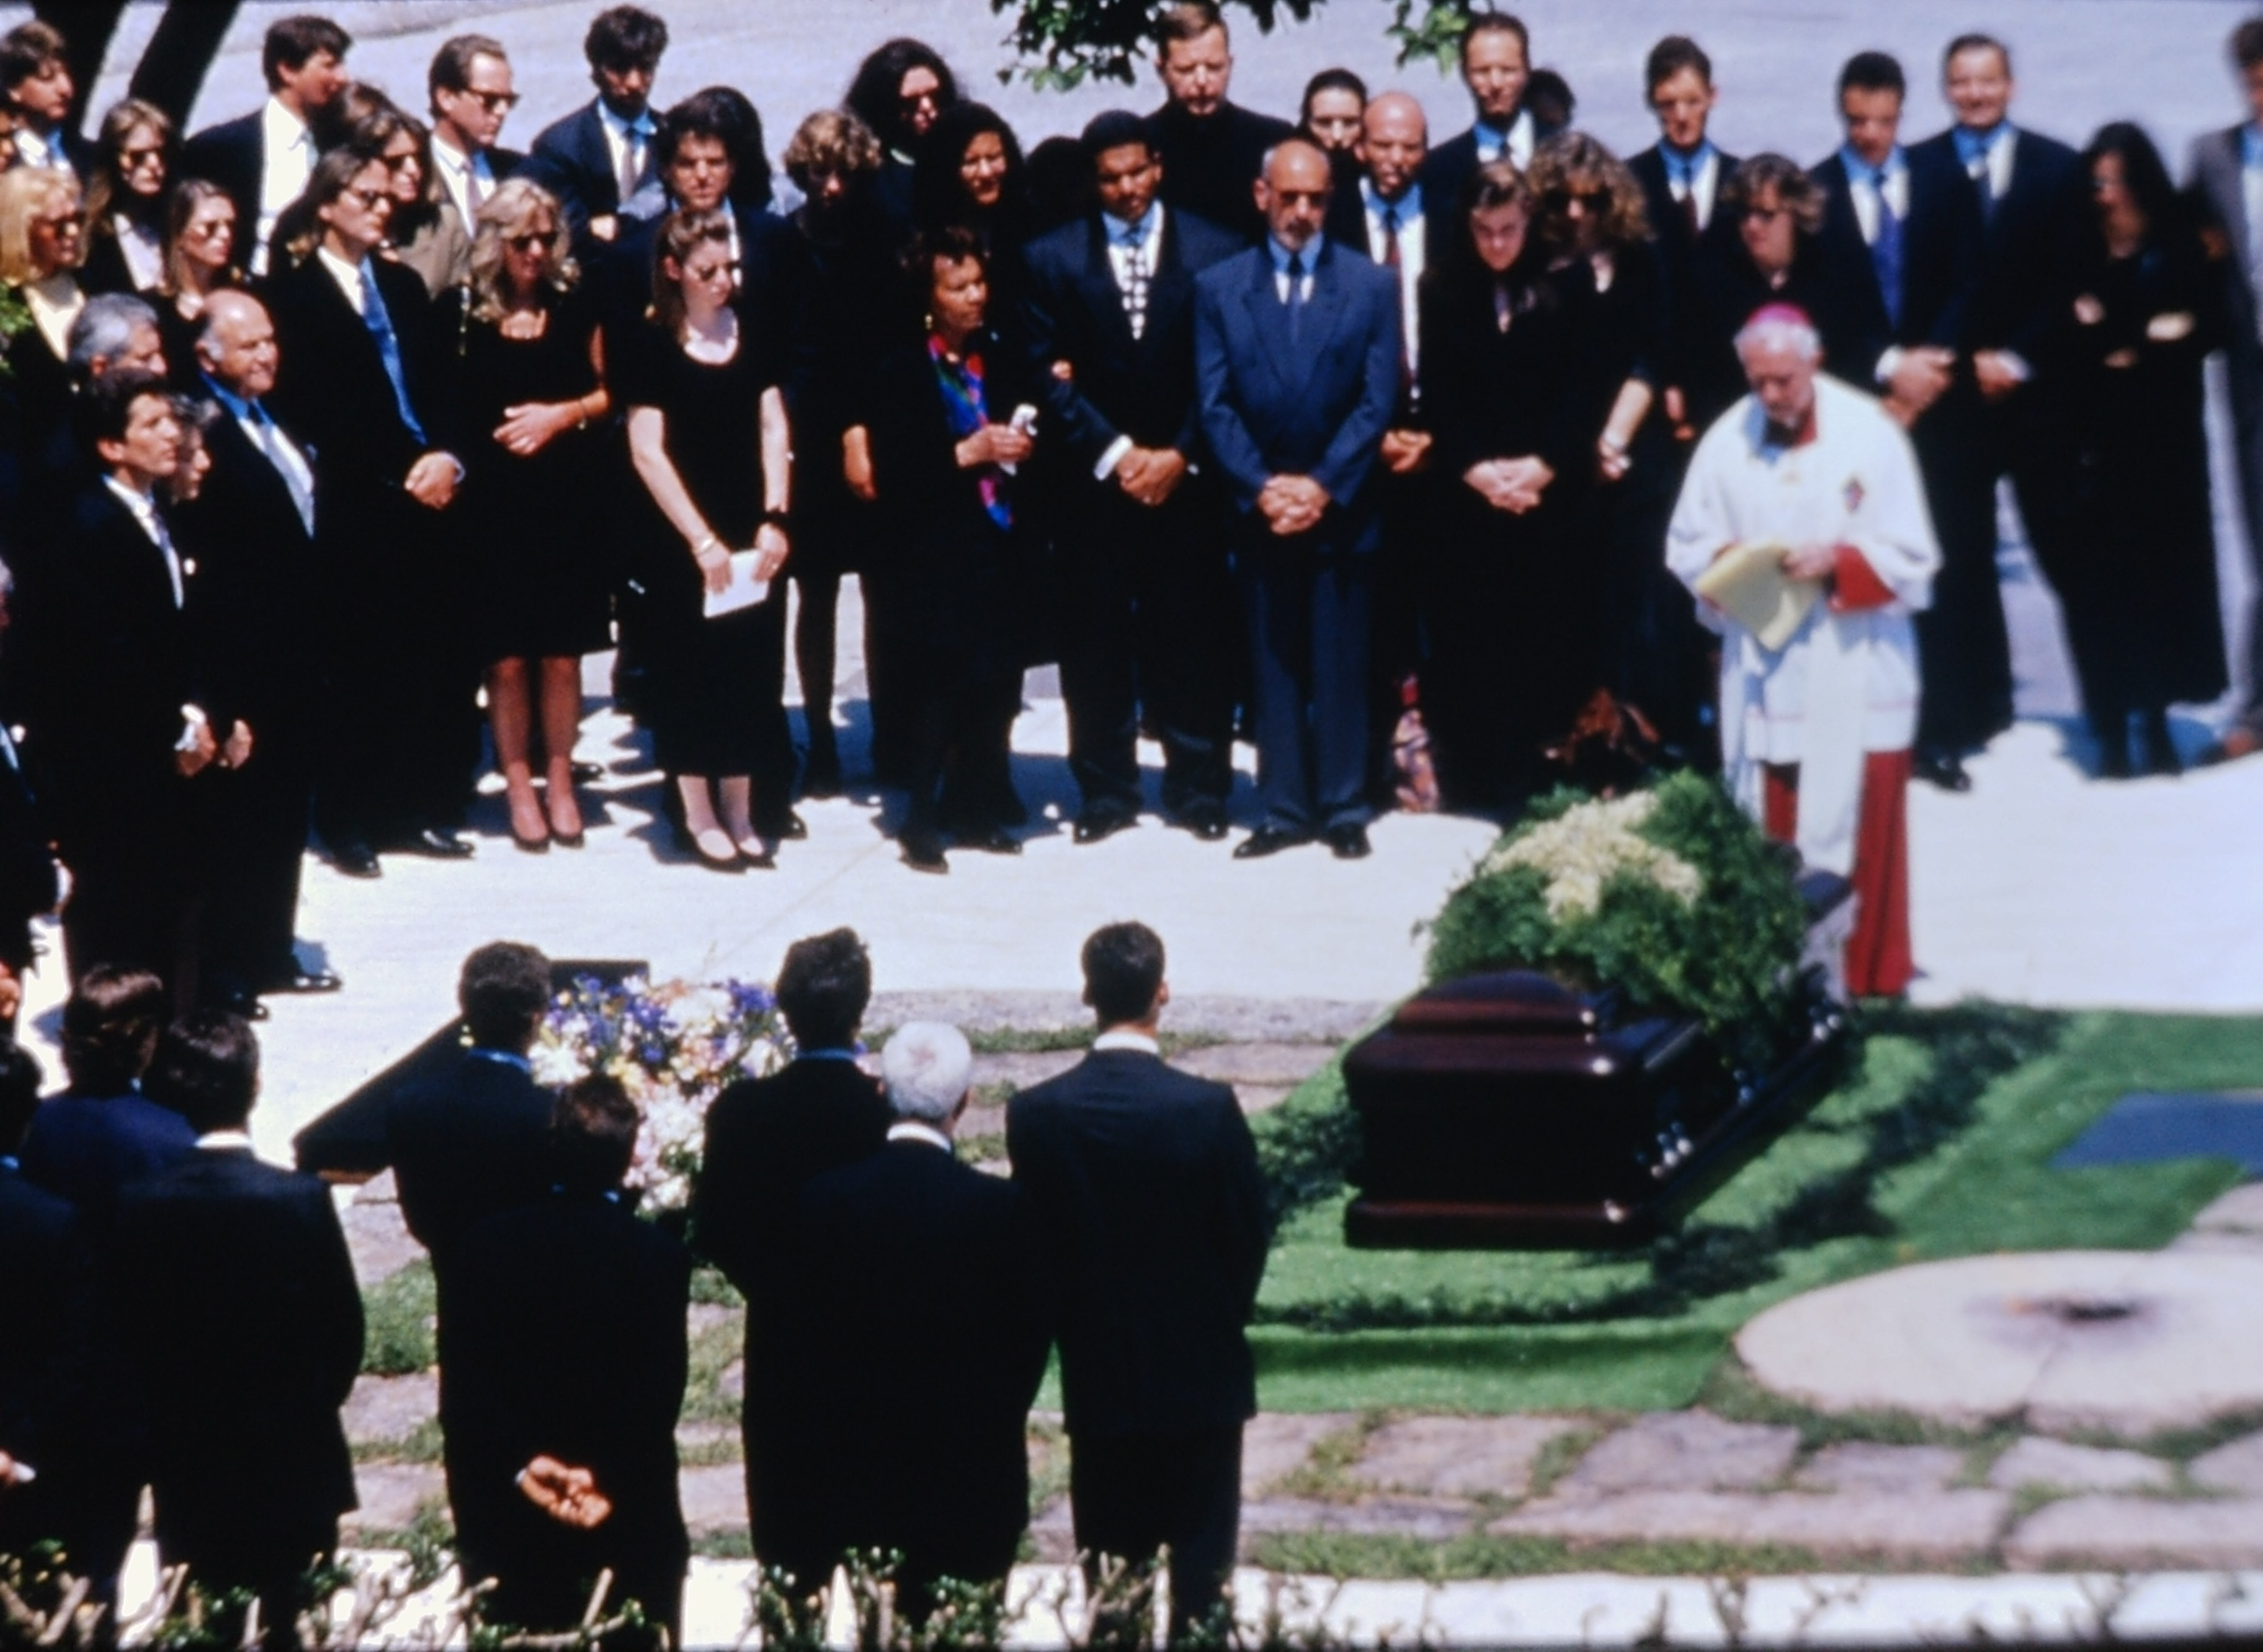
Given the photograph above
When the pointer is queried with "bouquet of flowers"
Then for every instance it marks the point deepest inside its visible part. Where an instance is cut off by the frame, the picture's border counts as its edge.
(674, 1047)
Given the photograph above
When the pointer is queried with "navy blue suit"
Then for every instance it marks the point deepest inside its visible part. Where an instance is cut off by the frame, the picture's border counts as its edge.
(572, 160)
(84, 1148)
(467, 1147)
(1316, 407)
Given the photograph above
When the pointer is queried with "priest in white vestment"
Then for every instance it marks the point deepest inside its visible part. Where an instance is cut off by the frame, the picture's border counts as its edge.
(1815, 733)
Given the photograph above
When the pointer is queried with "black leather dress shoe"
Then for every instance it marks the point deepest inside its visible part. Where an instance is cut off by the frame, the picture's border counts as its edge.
(1943, 769)
(924, 853)
(357, 860)
(794, 829)
(1348, 842)
(995, 841)
(1208, 824)
(435, 843)
(1269, 840)
(1092, 829)
(302, 981)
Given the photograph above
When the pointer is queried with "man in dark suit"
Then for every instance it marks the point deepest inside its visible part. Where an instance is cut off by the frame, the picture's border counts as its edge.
(100, 1133)
(1212, 149)
(118, 703)
(245, 1337)
(355, 383)
(1902, 230)
(600, 161)
(470, 86)
(38, 92)
(933, 1461)
(2225, 173)
(561, 1455)
(253, 604)
(1298, 360)
(1143, 1182)
(28, 887)
(766, 1138)
(264, 159)
(475, 1141)
(1147, 599)
(1682, 176)
(42, 1295)
(1496, 55)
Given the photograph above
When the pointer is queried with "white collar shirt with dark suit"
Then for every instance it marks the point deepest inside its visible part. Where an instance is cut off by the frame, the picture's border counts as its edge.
(582, 159)
(2032, 210)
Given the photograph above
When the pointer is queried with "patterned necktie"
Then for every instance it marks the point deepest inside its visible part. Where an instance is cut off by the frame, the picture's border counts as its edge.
(1136, 278)
(1886, 251)
(373, 316)
(1296, 294)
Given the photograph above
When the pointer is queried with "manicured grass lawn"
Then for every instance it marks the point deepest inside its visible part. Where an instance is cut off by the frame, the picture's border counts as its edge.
(1940, 1146)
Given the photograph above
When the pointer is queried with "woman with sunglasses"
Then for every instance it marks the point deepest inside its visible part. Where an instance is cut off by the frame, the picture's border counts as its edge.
(42, 244)
(528, 391)
(1776, 258)
(199, 261)
(126, 199)
(708, 435)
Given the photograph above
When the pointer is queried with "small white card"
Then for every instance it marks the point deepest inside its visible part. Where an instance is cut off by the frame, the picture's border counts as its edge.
(744, 590)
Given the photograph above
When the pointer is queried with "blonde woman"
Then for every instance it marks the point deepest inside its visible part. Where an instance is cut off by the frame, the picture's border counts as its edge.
(530, 395)
(42, 244)
(200, 260)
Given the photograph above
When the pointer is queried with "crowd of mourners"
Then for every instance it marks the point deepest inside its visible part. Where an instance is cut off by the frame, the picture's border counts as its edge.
(329, 422)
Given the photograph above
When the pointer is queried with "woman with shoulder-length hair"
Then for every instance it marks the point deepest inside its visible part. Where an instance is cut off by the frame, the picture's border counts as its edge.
(936, 445)
(200, 260)
(708, 435)
(1776, 258)
(2136, 316)
(42, 244)
(135, 155)
(1505, 392)
(529, 396)
(901, 89)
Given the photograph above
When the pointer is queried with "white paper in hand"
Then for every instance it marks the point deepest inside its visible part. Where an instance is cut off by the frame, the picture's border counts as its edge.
(744, 590)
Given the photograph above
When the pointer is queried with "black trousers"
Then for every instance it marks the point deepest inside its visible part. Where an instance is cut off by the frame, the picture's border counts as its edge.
(272, 1572)
(132, 900)
(1965, 651)
(1146, 622)
(1310, 617)
(1131, 1494)
(254, 843)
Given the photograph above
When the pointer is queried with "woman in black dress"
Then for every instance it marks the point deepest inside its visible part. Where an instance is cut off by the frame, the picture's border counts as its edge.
(530, 397)
(126, 199)
(937, 432)
(199, 261)
(900, 91)
(707, 432)
(1777, 258)
(971, 173)
(1504, 593)
(2135, 328)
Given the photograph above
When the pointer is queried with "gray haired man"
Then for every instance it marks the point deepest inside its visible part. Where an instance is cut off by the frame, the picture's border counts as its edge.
(919, 1334)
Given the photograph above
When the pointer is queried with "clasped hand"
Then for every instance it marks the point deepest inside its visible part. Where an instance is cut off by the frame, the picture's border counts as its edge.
(567, 1495)
(1917, 380)
(1292, 504)
(996, 444)
(530, 426)
(1150, 475)
(431, 481)
(1513, 485)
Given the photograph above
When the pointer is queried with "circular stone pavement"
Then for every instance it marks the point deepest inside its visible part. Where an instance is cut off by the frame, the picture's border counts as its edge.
(2124, 1341)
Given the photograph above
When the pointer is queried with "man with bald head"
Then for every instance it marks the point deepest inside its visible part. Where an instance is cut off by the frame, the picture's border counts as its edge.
(1298, 367)
(253, 601)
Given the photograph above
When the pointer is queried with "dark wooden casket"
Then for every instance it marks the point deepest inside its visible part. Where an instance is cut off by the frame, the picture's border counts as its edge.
(1511, 1112)
(348, 1143)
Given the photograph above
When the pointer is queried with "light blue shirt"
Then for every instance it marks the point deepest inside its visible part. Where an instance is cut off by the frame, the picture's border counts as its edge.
(1282, 257)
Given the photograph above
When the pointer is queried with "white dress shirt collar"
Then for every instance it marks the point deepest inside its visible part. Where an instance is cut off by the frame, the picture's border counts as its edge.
(1124, 1039)
(457, 170)
(33, 149)
(1519, 141)
(144, 510)
(224, 1141)
(348, 276)
(282, 129)
(914, 1130)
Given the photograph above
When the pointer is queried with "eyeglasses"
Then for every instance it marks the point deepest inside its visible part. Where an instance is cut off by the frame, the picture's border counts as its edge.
(69, 221)
(1765, 214)
(212, 228)
(531, 241)
(132, 158)
(397, 163)
(370, 198)
(495, 103)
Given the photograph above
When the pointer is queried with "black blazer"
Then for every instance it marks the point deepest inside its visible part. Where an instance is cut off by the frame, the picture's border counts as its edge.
(87, 1148)
(1143, 388)
(246, 1336)
(41, 1295)
(1679, 251)
(331, 390)
(467, 1146)
(1940, 263)
(936, 1465)
(252, 595)
(1448, 166)
(766, 1137)
(571, 159)
(584, 1268)
(233, 155)
(1348, 224)
(1144, 1184)
(1210, 165)
(2027, 240)
(1725, 288)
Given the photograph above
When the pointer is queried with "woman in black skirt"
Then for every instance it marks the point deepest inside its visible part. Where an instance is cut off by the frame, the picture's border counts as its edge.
(707, 432)
(531, 401)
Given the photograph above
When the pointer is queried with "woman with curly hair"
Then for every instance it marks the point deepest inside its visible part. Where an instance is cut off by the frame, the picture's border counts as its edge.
(530, 398)
(126, 199)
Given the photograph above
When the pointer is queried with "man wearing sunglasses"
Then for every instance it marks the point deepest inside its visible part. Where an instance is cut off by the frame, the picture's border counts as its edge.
(472, 96)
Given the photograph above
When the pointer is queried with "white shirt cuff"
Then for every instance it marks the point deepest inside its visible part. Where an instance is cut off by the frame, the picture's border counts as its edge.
(2016, 365)
(193, 722)
(1889, 362)
(1111, 458)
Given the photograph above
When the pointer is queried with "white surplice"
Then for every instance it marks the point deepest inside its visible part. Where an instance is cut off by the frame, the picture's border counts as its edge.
(1847, 682)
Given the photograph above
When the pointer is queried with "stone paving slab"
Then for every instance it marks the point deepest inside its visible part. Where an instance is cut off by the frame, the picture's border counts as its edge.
(1937, 1524)
(2140, 1534)
(714, 1498)
(2036, 1461)
(1880, 1470)
(391, 1495)
(1459, 1456)
(378, 1240)
(2238, 1466)
(1430, 1519)
(1275, 1444)
(1682, 1451)
(384, 1409)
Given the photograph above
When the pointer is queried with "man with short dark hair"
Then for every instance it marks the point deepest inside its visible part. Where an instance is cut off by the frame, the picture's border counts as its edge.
(601, 162)
(475, 1140)
(1902, 232)
(1681, 176)
(1212, 149)
(242, 1331)
(37, 91)
(1146, 598)
(766, 1138)
(1496, 54)
(264, 159)
(1144, 1180)
(469, 84)
(561, 1467)
(100, 1131)
(2225, 172)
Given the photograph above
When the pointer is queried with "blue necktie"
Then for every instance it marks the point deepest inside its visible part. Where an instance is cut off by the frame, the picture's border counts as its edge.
(373, 316)
(1886, 251)
(1296, 294)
